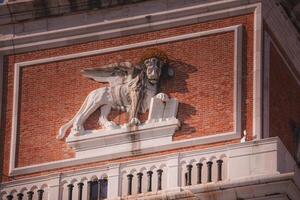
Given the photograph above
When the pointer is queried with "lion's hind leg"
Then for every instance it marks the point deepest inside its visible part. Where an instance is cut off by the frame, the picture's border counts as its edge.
(63, 129)
(81, 117)
(103, 121)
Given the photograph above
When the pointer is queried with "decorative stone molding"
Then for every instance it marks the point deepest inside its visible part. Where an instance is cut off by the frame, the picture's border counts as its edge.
(50, 33)
(85, 158)
(16, 11)
(237, 30)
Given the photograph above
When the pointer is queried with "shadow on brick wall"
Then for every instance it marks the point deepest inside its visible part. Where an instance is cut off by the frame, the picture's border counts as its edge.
(3, 175)
(178, 85)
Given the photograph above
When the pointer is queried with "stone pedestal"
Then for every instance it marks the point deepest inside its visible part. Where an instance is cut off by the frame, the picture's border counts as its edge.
(157, 131)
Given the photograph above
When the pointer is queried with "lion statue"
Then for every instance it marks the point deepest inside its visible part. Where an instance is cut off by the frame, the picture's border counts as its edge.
(131, 89)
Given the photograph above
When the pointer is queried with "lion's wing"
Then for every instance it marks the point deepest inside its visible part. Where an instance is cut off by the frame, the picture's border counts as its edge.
(114, 74)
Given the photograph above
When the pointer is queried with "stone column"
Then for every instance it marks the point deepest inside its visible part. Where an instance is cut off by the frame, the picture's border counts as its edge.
(189, 169)
(199, 173)
(20, 196)
(70, 191)
(129, 184)
(159, 177)
(219, 162)
(139, 186)
(40, 194)
(99, 188)
(209, 171)
(149, 186)
(80, 186)
(29, 195)
(89, 188)
(9, 197)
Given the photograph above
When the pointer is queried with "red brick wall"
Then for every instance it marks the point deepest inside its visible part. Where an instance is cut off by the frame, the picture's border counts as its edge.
(52, 93)
(284, 100)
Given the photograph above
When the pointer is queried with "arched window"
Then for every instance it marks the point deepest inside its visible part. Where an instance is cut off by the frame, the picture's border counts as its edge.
(98, 189)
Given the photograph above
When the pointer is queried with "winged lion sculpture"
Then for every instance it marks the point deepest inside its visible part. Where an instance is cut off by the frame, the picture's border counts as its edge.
(131, 89)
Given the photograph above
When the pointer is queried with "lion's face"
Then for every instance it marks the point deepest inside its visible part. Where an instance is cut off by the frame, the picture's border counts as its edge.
(153, 69)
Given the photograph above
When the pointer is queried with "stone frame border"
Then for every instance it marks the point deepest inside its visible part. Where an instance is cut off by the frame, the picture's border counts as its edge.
(257, 74)
(238, 53)
(266, 83)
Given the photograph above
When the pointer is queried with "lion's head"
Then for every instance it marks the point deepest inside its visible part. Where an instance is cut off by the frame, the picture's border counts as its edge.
(155, 64)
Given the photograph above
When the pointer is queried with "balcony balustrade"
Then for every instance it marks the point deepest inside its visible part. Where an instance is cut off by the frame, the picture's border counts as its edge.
(155, 175)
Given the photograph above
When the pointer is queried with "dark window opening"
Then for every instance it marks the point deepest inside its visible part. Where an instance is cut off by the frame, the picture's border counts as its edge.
(98, 189)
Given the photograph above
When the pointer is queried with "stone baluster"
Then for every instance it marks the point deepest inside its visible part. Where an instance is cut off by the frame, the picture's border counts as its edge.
(104, 188)
(219, 162)
(40, 194)
(90, 183)
(159, 179)
(139, 186)
(149, 174)
(129, 190)
(199, 173)
(70, 191)
(80, 187)
(99, 188)
(189, 169)
(186, 178)
(209, 171)
(20, 196)
(30, 195)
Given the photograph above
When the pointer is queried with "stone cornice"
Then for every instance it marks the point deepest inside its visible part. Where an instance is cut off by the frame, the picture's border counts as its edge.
(25, 10)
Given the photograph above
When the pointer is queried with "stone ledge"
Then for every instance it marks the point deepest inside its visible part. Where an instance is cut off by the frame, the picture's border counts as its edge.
(25, 10)
(259, 153)
(104, 142)
(265, 187)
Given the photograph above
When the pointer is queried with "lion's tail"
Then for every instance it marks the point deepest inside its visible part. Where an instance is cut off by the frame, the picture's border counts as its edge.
(63, 129)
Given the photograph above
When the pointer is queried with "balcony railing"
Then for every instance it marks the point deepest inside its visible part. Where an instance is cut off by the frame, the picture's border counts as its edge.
(157, 175)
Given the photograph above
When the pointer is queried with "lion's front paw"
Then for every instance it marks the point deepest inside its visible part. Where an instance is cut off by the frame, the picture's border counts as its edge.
(162, 96)
(110, 125)
(134, 122)
(76, 130)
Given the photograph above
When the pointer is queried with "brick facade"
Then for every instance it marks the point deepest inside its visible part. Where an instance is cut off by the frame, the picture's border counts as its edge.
(284, 100)
(203, 83)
